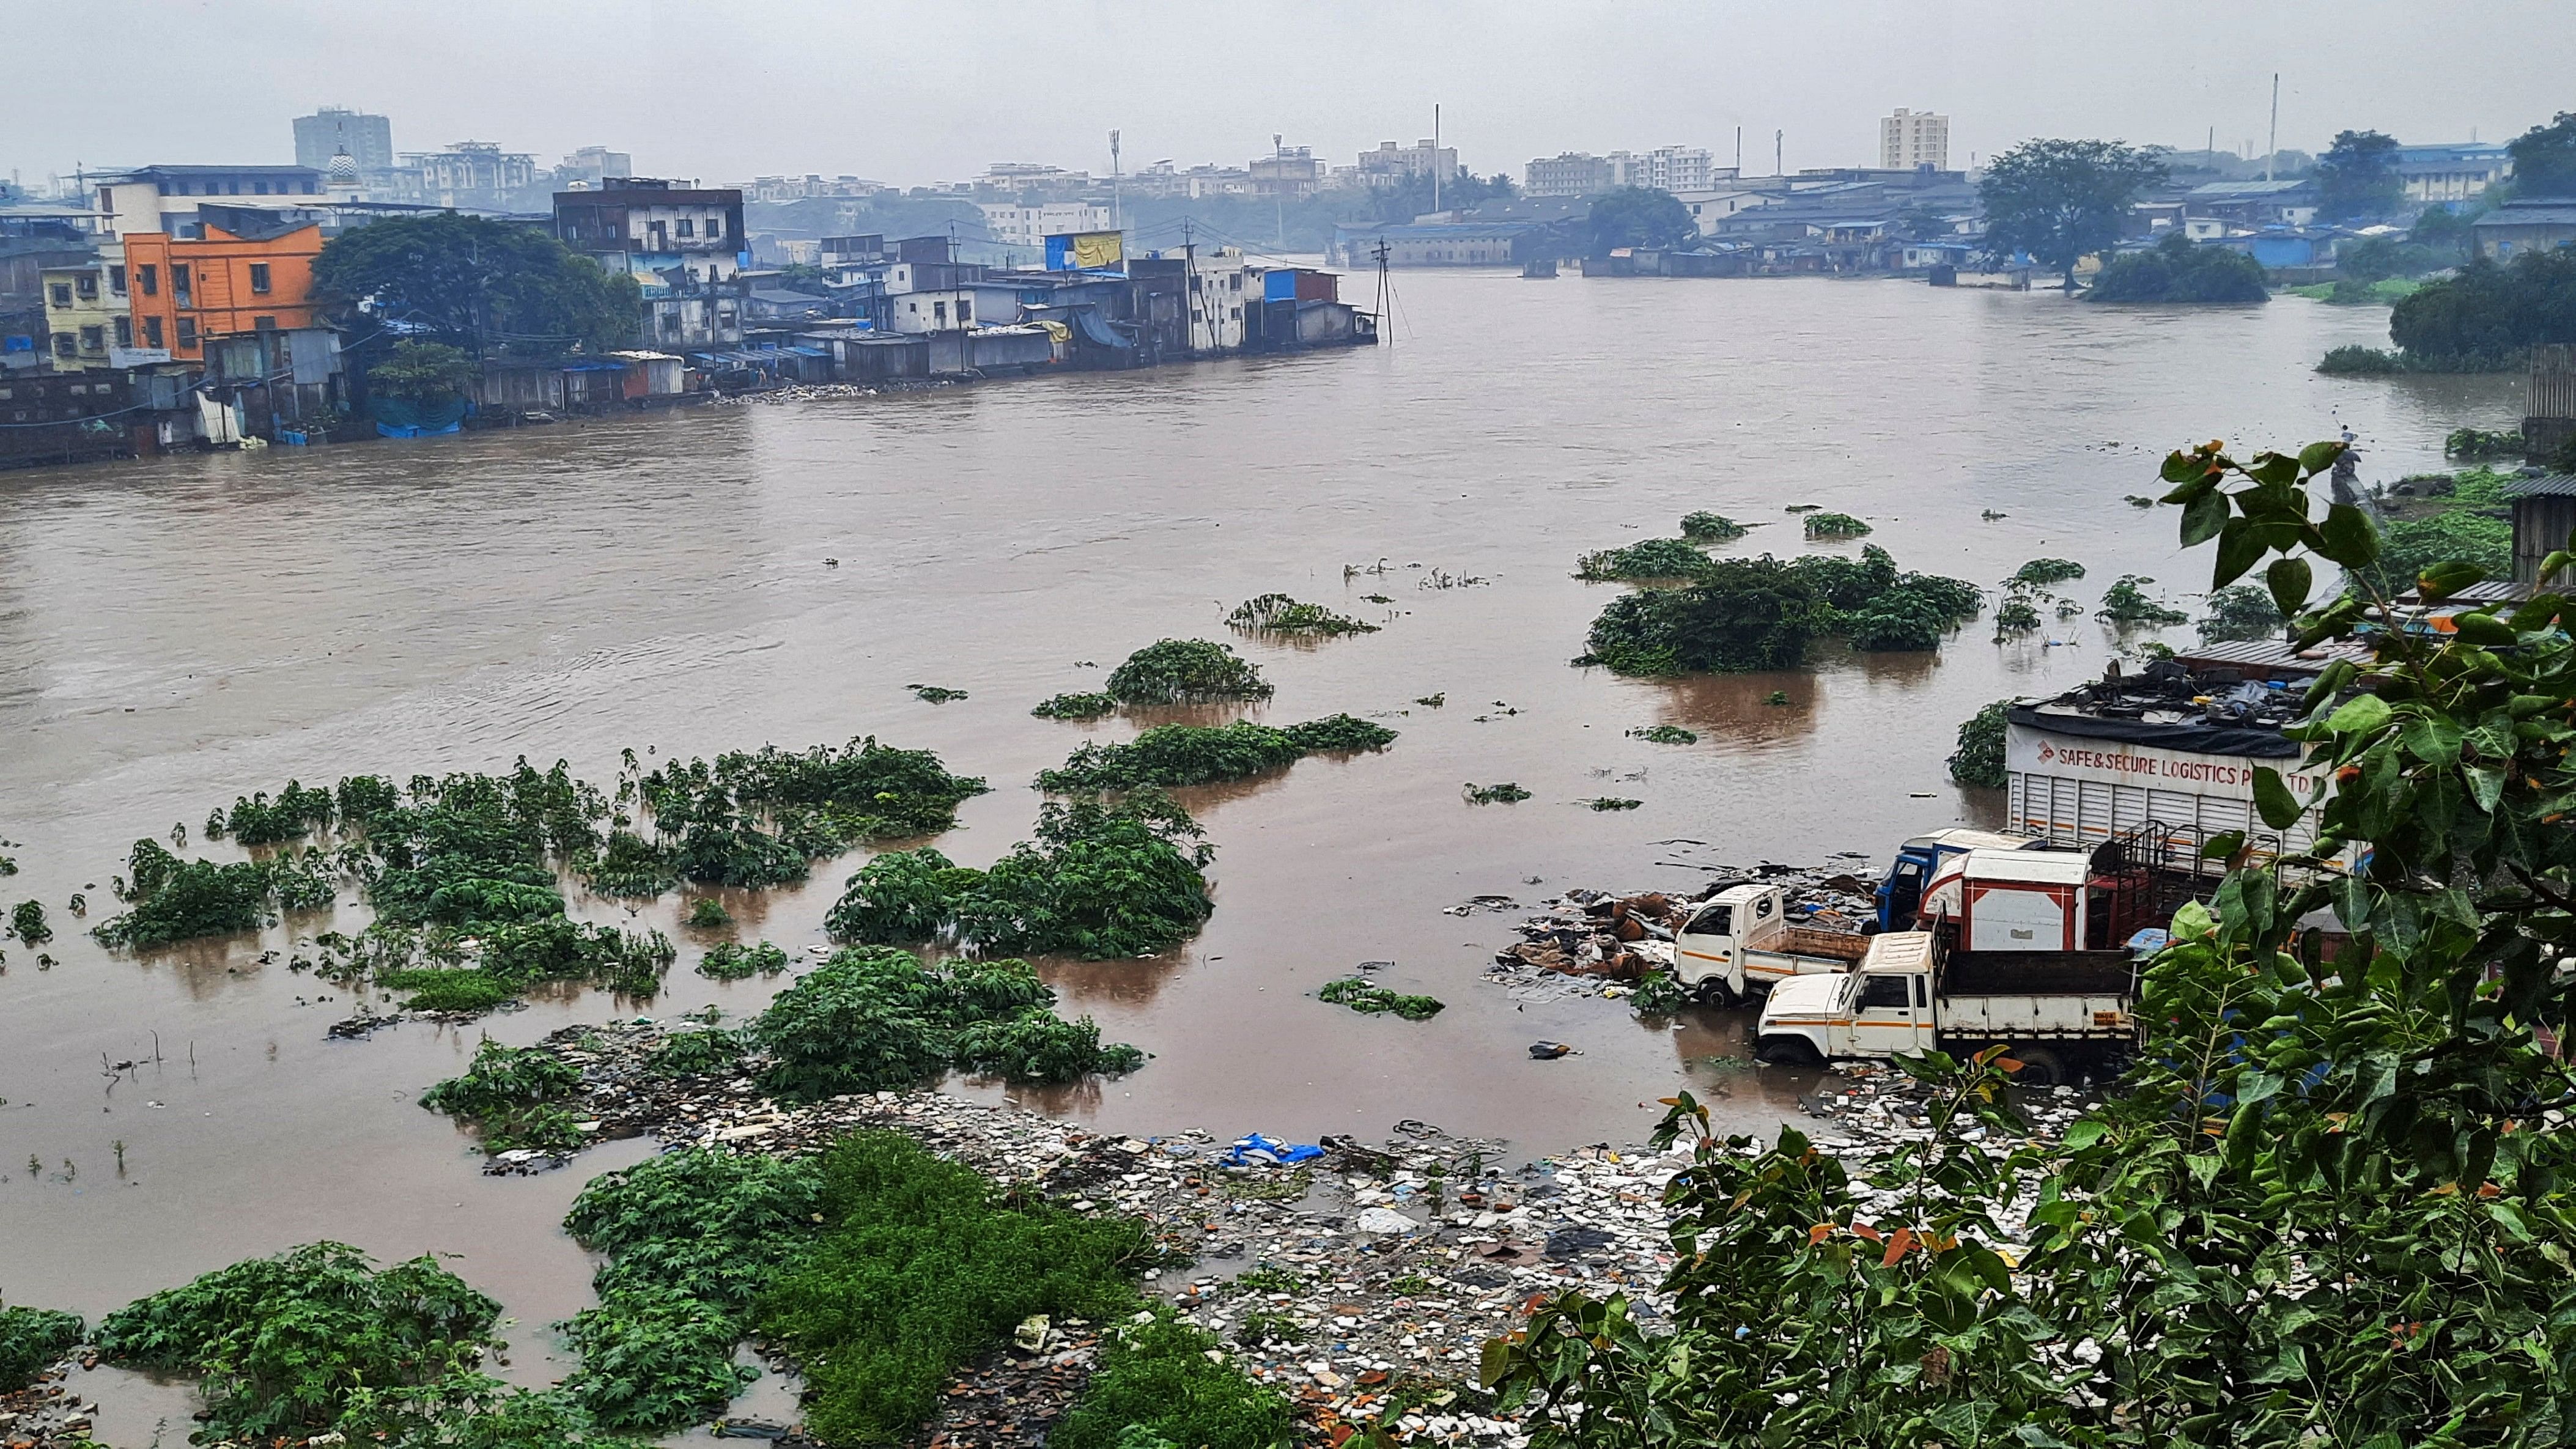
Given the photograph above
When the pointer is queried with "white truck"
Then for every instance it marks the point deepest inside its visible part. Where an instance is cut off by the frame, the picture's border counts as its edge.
(1740, 940)
(2060, 1012)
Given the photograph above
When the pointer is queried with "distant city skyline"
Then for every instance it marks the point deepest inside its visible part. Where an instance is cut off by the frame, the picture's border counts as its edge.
(1521, 82)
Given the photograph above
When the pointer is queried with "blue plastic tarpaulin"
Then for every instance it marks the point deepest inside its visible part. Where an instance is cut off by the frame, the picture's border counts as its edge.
(1256, 1150)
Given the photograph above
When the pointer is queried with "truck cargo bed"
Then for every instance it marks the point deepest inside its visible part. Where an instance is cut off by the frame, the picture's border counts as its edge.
(2038, 973)
(1816, 941)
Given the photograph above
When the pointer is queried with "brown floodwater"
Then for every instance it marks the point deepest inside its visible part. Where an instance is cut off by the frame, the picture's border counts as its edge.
(176, 632)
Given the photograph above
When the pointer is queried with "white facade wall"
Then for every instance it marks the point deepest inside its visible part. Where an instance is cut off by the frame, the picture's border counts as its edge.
(1914, 138)
(1221, 286)
(2079, 791)
(1014, 225)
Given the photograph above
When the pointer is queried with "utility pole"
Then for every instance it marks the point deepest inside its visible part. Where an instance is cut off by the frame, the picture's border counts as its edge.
(1739, 153)
(1279, 188)
(1385, 323)
(1117, 207)
(2274, 153)
(1435, 158)
(1777, 151)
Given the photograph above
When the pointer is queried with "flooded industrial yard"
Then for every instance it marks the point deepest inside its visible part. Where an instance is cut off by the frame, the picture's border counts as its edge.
(178, 632)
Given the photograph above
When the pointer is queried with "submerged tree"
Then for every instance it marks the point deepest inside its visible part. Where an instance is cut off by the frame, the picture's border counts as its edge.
(1639, 216)
(478, 284)
(2062, 201)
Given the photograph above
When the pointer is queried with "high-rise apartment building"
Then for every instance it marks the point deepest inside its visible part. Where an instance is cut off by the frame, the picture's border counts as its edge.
(1910, 139)
(369, 140)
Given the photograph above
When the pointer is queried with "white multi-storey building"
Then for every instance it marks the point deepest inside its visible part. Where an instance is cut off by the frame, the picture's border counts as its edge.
(1016, 225)
(1910, 139)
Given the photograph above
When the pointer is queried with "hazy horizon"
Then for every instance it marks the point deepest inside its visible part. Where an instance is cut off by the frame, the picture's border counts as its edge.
(911, 95)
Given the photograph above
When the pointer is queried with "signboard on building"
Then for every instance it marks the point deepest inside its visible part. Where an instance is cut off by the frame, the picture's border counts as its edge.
(2079, 790)
(1084, 251)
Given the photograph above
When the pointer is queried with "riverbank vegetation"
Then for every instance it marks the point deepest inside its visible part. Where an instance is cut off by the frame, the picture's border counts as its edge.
(1175, 754)
(2444, 517)
(1185, 671)
(1978, 758)
(2179, 270)
(280, 1345)
(1370, 999)
(31, 1339)
(1760, 614)
(875, 1018)
(1281, 614)
(462, 871)
(1076, 706)
(1647, 560)
(2483, 318)
(2214, 1194)
(1101, 879)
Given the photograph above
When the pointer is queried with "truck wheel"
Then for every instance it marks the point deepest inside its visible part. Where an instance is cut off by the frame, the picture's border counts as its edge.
(1714, 992)
(1787, 1051)
(2040, 1067)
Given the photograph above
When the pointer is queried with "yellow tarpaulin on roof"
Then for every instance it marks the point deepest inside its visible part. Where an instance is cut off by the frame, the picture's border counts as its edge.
(1098, 249)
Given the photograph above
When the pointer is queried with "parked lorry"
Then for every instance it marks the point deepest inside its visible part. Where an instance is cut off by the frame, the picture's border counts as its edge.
(2061, 1013)
(1900, 895)
(1740, 941)
(2011, 899)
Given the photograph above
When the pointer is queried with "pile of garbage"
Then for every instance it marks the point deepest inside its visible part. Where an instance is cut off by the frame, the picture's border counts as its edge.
(1600, 943)
(49, 1413)
(823, 391)
(1361, 1280)
(1866, 1111)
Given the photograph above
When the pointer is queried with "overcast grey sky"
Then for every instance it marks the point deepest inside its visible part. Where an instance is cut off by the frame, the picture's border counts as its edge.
(936, 89)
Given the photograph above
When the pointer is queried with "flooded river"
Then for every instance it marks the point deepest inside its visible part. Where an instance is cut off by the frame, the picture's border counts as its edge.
(176, 632)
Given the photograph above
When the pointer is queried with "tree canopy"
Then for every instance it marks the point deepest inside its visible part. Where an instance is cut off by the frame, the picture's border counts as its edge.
(2544, 158)
(2490, 311)
(422, 372)
(1412, 196)
(2177, 269)
(478, 284)
(2357, 177)
(1639, 216)
(2061, 201)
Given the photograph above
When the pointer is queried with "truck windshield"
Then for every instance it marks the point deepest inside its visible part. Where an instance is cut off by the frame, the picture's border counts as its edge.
(1711, 921)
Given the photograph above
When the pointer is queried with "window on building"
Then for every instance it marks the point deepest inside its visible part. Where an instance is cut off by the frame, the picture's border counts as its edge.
(93, 339)
(124, 331)
(939, 313)
(116, 280)
(61, 293)
(152, 332)
(180, 287)
(150, 276)
(187, 331)
(88, 286)
(263, 324)
(965, 311)
(716, 227)
(688, 227)
(259, 278)
(65, 345)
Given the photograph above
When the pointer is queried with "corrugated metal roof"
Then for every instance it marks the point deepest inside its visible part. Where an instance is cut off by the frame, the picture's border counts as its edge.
(2276, 655)
(2554, 485)
(2527, 215)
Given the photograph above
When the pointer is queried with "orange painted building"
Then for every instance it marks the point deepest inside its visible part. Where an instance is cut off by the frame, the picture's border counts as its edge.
(250, 271)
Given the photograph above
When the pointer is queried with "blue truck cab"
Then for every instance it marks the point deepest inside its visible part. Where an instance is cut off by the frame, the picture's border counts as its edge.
(1900, 895)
